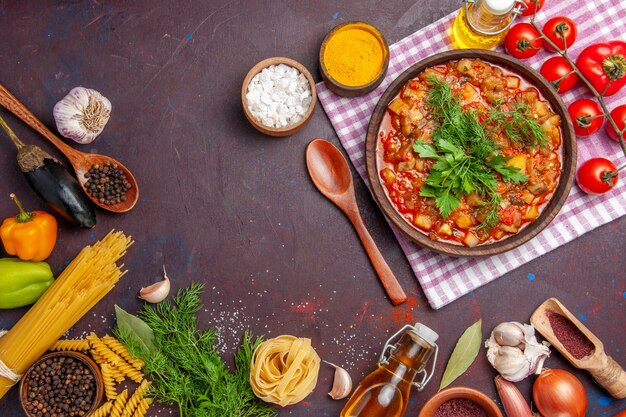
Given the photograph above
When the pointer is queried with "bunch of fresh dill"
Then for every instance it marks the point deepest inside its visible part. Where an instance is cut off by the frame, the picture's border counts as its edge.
(467, 158)
(184, 364)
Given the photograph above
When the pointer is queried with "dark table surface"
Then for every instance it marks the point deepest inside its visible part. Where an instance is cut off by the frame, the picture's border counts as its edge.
(222, 204)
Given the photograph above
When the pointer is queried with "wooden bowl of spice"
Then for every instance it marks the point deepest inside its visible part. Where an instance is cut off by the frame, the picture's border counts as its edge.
(61, 383)
(278, 96)
(353, 59)
(460, 402)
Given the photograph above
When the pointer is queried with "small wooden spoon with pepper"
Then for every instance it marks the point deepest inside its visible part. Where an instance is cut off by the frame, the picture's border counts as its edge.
(331, 175)
(82, 162)
(602, 367)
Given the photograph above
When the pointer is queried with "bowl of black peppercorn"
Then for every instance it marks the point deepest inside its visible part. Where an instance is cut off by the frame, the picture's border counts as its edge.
(61, 384)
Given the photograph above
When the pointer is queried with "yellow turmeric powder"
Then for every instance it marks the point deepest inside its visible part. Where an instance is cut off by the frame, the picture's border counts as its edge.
(354, 56)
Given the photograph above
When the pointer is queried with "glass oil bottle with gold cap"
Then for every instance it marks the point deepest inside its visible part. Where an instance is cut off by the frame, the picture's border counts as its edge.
(483, 24)
(385, 392)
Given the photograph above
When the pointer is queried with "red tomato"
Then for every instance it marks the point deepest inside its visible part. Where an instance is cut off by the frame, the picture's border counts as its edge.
(522, 41)
(562, 31)
(618, 115)
(533, 6)
(593, 176)
(556, 70)
(604, 65)
(587, 116)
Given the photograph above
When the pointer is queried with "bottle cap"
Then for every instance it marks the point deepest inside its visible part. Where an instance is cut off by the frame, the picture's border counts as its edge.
(499, 7)
(426, 333)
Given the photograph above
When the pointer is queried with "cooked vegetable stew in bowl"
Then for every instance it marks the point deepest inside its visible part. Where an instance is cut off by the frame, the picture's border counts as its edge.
(470, 153)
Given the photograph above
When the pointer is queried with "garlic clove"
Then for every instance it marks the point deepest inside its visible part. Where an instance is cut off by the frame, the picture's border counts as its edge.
(536, 354)
(342, 383)
(82, 114)
(156, 292)
(510, 333)
(511, 363)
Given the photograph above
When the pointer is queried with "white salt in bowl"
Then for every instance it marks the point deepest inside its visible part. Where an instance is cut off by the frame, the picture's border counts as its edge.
(292, 128)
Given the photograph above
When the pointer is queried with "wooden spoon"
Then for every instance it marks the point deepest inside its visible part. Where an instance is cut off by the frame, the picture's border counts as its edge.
(81, 161)
(331, 175)
(602, 367)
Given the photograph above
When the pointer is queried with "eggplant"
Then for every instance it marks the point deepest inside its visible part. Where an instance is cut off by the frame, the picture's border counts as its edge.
(53, 183)
(57, 187)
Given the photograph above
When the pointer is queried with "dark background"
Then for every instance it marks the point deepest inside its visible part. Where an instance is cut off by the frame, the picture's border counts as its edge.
(222, 204)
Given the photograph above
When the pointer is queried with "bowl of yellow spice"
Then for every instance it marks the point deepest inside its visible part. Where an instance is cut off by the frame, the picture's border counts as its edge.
(353, 59)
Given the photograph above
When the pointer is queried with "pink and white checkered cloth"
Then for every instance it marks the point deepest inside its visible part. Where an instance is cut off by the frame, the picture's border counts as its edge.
(443, 278)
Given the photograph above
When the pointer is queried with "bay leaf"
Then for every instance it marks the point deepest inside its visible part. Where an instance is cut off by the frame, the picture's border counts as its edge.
(136, 328)
(463, 355)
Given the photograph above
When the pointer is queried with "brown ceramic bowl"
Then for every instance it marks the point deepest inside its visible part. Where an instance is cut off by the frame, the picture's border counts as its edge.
(486, 403)
(91, 365)
(568, 153)
(354, 91)
(280, 131)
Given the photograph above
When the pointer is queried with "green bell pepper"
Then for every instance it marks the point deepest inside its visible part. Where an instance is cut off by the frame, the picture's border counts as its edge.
(22, 282)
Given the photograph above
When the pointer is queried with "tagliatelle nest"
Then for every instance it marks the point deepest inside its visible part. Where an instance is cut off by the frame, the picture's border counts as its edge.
(284, 370)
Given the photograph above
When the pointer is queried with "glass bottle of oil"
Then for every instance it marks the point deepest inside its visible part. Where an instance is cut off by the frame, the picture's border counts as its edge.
(385, 392)
(483, 23)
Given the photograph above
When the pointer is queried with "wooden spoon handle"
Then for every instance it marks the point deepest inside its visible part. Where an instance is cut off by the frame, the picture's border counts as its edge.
(611, 376)
(12, 104)
(387, 278)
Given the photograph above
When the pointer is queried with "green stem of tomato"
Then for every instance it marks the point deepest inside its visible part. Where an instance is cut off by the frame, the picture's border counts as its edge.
(598, 96)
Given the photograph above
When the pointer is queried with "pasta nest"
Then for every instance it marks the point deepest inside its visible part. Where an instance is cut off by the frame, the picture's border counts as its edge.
(284, 370)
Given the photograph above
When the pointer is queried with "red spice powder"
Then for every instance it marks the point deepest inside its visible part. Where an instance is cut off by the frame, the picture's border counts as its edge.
(575, 341)
(460, 407)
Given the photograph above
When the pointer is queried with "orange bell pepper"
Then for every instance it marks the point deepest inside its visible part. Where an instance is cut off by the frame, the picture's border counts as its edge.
(30, 236)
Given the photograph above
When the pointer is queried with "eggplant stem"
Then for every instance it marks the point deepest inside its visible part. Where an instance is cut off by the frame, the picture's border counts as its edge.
(18, 143)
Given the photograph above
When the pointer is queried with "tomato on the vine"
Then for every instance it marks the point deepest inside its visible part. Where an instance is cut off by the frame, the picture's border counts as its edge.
(556, 70)
(532, 6)
(522, 41)
(618, 115)
(561, 31)
(587, 116)
(597, 176)
(604, 65)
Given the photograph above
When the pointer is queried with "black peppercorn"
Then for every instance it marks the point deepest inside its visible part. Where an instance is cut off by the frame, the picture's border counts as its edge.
(107, 183)
(60, 387)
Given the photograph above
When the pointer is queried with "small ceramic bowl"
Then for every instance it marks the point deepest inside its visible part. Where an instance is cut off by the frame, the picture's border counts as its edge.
(486, 403)
(347, 90)
(280, 131)
(86, 360)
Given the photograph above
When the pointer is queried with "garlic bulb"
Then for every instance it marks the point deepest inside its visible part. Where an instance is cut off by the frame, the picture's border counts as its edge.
(157, 292)
(513, 350)
(342, 383)
(82, 114)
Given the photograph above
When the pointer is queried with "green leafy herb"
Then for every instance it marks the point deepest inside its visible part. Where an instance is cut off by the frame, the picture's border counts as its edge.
(518, 125)
(508, 173)
(136, 329)
(185, 366)
(466, 156)
(463, 355)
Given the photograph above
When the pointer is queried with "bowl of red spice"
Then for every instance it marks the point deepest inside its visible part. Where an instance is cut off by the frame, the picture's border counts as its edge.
(61, 384)
(460, 402)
